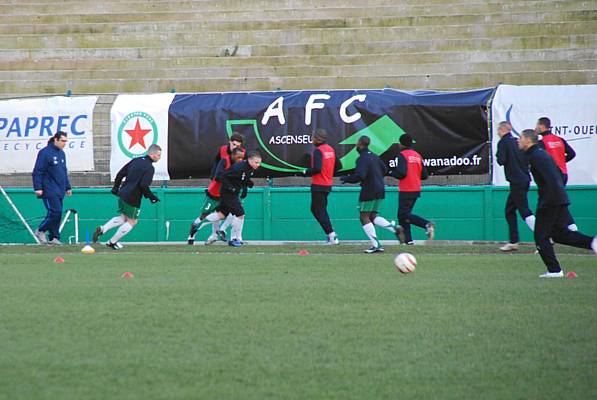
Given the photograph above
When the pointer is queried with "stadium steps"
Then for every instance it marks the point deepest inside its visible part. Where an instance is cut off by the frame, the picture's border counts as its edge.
(144, 46)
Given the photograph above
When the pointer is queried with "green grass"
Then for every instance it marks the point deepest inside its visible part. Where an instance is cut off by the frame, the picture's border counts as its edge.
(264, 322)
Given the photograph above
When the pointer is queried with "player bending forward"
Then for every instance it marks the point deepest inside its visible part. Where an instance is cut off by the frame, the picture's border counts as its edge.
(137, 175)
(212, 196)
(235, 182)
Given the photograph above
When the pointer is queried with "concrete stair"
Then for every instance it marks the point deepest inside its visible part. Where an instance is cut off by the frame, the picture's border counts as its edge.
(145, 46)
(115, 46)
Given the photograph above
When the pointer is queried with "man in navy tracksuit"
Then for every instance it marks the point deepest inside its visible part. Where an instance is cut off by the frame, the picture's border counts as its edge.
(552, 207)
(50, 182)
(370, 171)
(516, 169)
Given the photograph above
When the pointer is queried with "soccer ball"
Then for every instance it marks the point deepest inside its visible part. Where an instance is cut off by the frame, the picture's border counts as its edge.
(405, 263)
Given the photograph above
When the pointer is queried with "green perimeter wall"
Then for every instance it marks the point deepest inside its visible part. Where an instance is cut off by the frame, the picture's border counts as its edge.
(461, 213)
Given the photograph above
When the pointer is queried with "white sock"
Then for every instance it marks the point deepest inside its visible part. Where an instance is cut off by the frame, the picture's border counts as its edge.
(215, 227)
(573, 227)
(227, 222)
(384, 223)
(370, 232)
(197, 221)
(332, 235)
(594, 245)
(123, 230)
(210, 219)
(237, 228)
(530, 221)
(113, 223)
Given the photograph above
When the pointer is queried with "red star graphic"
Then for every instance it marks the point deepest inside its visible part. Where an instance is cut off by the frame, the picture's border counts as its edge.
(137, 135)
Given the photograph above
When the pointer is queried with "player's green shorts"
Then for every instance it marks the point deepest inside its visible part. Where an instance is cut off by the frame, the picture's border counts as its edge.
(128, 210)
(370, 206)
(209, 205)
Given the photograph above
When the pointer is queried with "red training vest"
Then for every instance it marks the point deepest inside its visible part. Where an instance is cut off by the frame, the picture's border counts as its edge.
(328, 161)
(556, 149)
(214, 186)
(414, 165)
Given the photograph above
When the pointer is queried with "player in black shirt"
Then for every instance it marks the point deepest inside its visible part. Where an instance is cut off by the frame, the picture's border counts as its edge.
(137, 175)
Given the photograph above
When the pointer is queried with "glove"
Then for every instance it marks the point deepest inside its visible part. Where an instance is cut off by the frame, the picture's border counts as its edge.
(250, 184)
(115, 191)
(244, 193)
(154, 200)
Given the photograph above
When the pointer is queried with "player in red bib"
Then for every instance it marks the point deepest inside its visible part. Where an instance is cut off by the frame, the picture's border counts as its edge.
(560, 151)
(223, 161)
(410, 171)
(323, 166)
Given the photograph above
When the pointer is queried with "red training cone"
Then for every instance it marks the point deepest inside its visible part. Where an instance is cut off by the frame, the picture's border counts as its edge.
(303, 252)
(127, 275)
(59, 260)
(571, 275)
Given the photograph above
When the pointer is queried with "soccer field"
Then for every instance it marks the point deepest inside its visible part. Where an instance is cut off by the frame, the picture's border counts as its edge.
(264, 322)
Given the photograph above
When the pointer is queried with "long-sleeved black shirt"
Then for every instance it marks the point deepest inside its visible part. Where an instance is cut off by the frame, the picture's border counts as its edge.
(516, 167)
(237, 177)
(370, 171)
(139, 174)
(548, 178)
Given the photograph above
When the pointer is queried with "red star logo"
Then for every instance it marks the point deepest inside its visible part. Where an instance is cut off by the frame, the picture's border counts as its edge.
(137, 135)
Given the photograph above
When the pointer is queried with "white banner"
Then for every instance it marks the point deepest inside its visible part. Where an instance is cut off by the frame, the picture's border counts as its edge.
(573, 114)
(139, 121)
(27, 124)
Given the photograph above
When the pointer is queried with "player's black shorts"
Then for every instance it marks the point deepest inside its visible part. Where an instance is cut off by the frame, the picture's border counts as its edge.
(230, 203)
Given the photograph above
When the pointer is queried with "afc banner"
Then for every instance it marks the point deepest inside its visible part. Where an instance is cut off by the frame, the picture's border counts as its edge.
(27, 124)
(573, 114)
(450, 128)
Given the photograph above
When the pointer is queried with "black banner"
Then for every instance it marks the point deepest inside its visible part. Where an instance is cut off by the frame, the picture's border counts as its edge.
(450, 128)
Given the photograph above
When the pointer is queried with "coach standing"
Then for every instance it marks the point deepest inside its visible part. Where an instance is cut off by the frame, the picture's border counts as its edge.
(323, 165)
(516, 169)
(410, 171)
(552, 206)
(50, 182)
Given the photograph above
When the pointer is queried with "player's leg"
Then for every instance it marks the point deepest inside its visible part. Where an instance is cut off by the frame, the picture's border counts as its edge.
(562, 234)
(546, 218)
(419, 221)
(368, 212)
(209, 205)
(112, 223)
(511, 219)
(319, 204)
(236, 208)
(131, 216)
(519, 197)
(54, 216)
(220, 229)
(404, 208)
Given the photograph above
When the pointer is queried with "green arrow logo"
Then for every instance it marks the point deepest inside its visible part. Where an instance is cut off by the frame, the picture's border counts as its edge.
(383, 134)
(253, 123)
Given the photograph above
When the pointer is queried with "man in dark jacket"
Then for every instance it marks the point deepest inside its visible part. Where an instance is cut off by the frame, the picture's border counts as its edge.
(560, 151)
(410, 171)
(324, 164)
(552, 206)
(50, 182)
(370, 171)
(235, 182)
(516, 169)
(137, 175)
